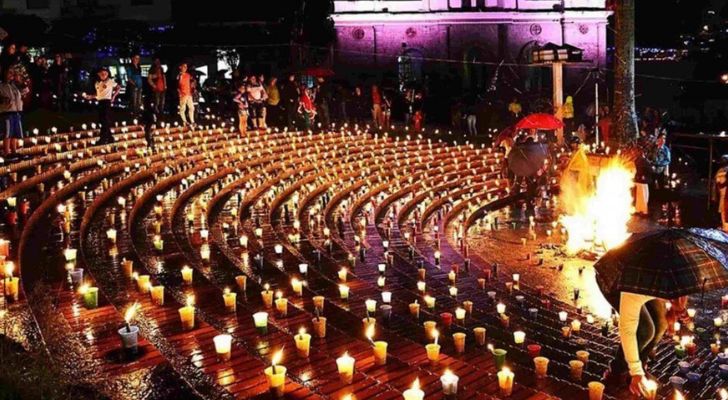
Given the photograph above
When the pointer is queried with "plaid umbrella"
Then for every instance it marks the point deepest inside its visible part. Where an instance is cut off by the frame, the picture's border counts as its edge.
(666, 263)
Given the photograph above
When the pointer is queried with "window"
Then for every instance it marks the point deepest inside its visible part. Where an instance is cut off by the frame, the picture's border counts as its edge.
(38, 4)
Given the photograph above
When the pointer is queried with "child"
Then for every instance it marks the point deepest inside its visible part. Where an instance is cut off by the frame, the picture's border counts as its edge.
(11, 108)
(241, 99)
(106, 91)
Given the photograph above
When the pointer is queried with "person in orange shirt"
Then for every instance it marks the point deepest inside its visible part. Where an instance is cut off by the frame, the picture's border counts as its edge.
(184, 91)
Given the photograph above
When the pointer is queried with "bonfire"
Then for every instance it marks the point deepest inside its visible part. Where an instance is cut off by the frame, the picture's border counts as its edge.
(596, 201)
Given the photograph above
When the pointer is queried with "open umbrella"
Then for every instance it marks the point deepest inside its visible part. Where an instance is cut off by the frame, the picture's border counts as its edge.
(666, 263)
(539, 121)
(525, 159)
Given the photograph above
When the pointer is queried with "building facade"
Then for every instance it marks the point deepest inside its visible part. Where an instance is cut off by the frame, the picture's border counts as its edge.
(466, 37)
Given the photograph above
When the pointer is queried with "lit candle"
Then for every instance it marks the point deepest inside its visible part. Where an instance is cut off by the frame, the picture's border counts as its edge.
(437, 258)
(576, 370)
(421, 285)
(453, 291)
(157, 293)
(583, 356)
(318, 303)
(242, 282)
(244, 241)
(500, 308)
(229, 299)
(303, 268)
(692, 312)
(379, 347)
(381, 281)
(319, 326)
(479, 335)
(303, 342)
(278, 249)
(187, 314)
(70, 254)
(415, 309)
(260, 319)
(343, 292)
(460, 314)
(575, 326)
(563, 315)
(452, 277)
(89, 294)
(371, 306)
(449, 383)
(276, 375)
(127, 268)
(519, 337)
(386, 297)
(459, 342)
(433, 349)
(297, 286)
(111, 235)
(4, 248)
(158, 242)
(342, 274)
(650, 389)
(429, 302)
(267, 296)
(718, 322)
(596, 390)
(143, 283)
(541, 365)
(281, 304)
(505, 381)
(345, 365)
(414, 392)
(129, 334)
(187, 275)
(223, 346)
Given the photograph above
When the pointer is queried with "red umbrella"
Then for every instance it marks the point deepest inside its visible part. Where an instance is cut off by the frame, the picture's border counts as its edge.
(318, 72)
(540, 121)
(505, 135)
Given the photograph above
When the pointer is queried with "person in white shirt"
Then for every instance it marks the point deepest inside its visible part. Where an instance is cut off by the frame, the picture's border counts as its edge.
(257, 97)
(11, 109)
(106, 91)
(642, 323)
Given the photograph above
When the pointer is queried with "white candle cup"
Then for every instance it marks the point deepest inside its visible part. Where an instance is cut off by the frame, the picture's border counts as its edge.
(223, 346)
(129, 339)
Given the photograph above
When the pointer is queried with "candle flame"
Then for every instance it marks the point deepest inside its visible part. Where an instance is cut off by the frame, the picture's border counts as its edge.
(678, 395)
(131, 312)
(277, 356)
(506, 370)
(649, 385)
(266, 287)
(83, 289)
(301, 331)
(490, 347)
(227, 290)
(370, 331)
(723, 394)
(279, 295)
(416, 384)
(190, 300)
(9, 268)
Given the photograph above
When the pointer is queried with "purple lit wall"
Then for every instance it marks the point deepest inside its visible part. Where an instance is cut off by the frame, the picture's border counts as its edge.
(371, 35)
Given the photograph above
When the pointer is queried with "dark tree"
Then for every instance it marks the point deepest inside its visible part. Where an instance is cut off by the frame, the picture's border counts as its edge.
(625, 115)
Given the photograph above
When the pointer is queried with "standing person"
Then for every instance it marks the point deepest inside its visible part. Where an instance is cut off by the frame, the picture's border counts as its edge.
(324, 97)
(660, 159)
(256, 98)
(567, 114)
(241, 99)
(39, 78)
(272, 104)
(418, 106)
(9, 57)
(135, 83)
(359, 106)
(106, 91)
(290, 97)
(158, 82)
(376, 107)
(306, 107)
(605, 125)
(11, 108)
(386, 110)
(58, 77)
(184, 91)
(721, 189)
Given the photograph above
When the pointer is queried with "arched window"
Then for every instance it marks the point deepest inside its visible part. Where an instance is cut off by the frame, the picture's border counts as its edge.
(409, 66)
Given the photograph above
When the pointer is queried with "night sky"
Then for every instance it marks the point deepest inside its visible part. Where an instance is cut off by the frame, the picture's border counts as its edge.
(675, 17)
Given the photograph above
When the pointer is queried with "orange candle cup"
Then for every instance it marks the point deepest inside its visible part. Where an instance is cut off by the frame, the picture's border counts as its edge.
(459, 341)
(479, 333)
(319, 327)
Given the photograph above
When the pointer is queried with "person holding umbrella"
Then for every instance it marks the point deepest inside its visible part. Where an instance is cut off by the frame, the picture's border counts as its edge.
(642, 274)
